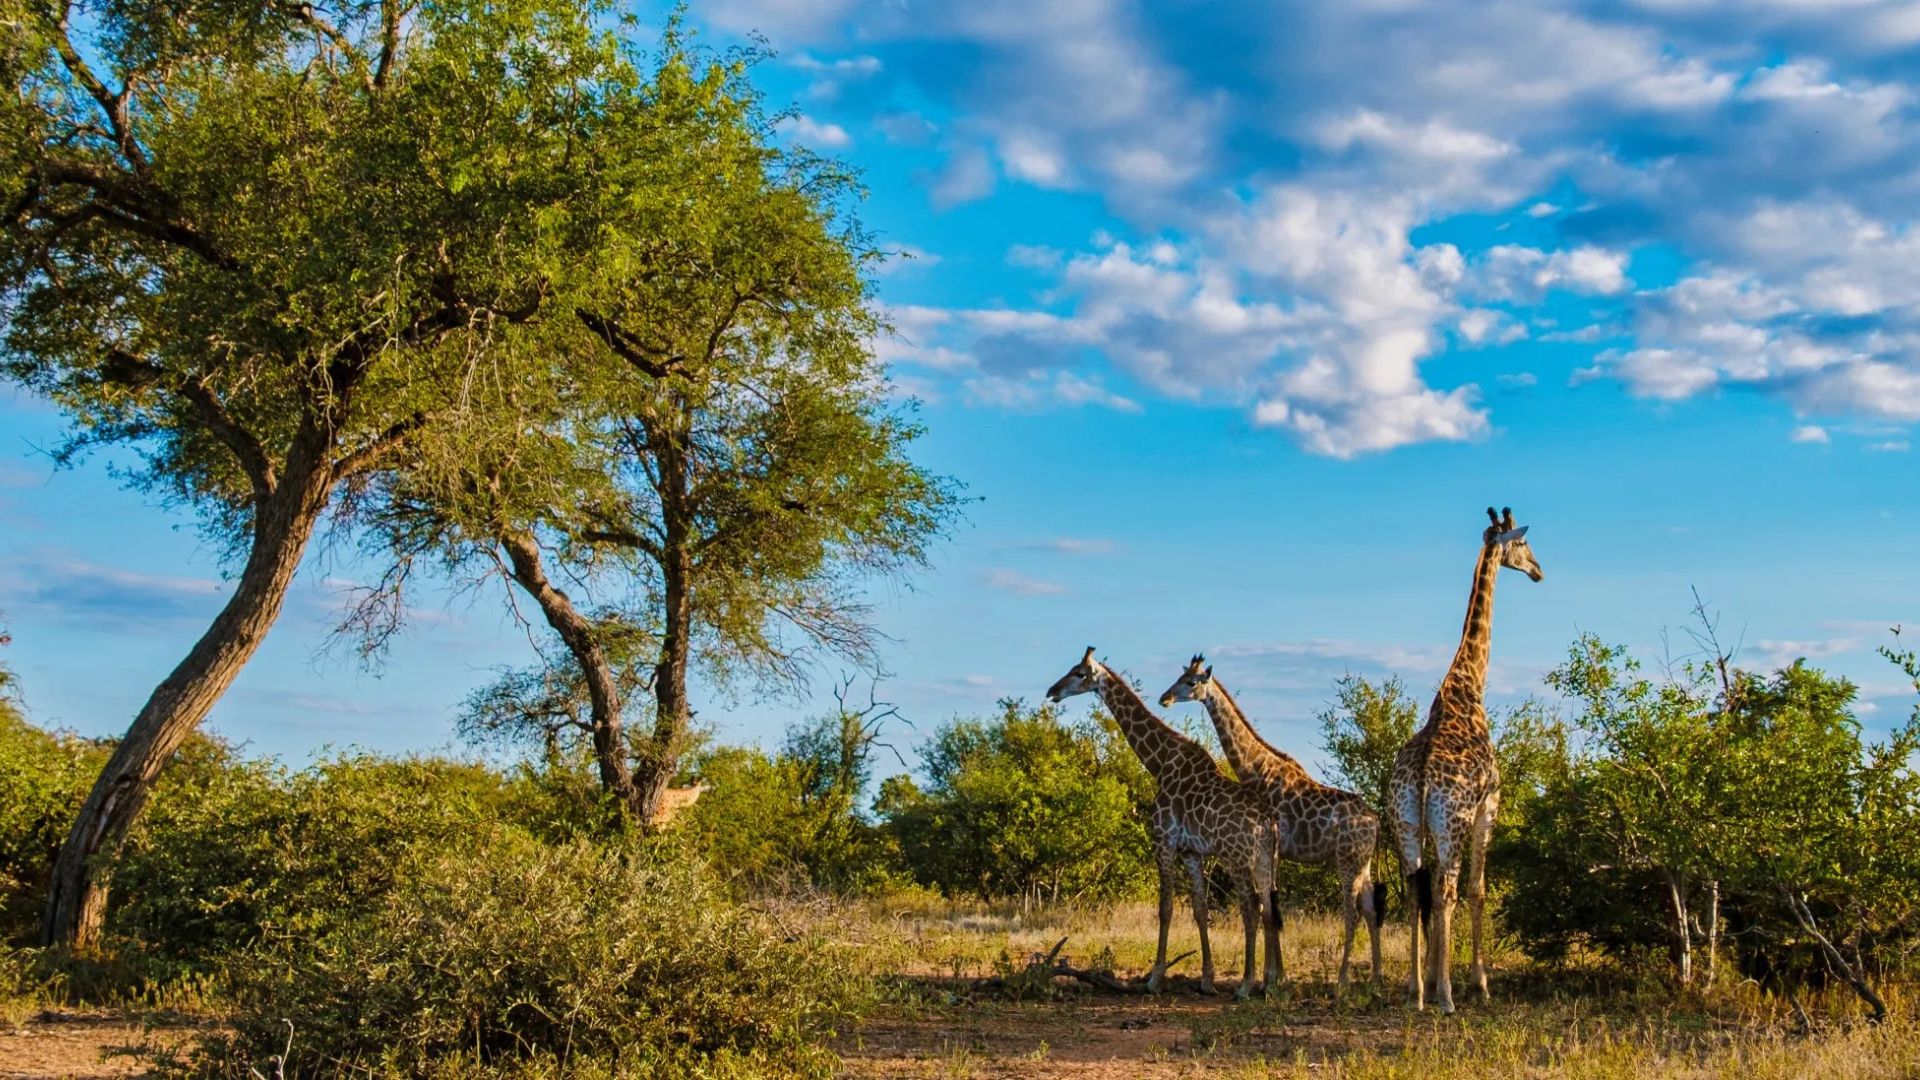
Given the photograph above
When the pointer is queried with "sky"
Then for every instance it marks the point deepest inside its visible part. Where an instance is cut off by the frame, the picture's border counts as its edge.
(1232, 318)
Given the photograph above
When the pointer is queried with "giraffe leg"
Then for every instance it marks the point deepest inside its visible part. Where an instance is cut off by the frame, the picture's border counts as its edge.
(1197, 870)
(1350, 910)
(1373, 898)
(1250, 924)
(1447, 852)
(1417, 878)
(1477, 890)
(1168, 867)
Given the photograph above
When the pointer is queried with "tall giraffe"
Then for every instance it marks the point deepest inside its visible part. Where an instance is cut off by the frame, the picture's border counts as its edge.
(1446, 784)
(1198, 813)
(1315, 823)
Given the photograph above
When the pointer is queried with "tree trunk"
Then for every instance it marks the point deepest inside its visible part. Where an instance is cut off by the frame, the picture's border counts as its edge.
(283, 525)
(1713, 931)
(1679, 927)
(1855, 977)
(672, 714)
(603, 690)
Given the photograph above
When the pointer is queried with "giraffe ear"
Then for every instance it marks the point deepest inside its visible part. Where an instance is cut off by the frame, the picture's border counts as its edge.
(1511, 535)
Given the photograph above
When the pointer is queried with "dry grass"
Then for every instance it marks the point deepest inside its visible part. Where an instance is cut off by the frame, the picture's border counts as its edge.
(1589, 1022)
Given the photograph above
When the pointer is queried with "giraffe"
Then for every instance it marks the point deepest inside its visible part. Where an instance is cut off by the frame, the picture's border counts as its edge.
(1315, 823)
(1198, 812)
(676, 799)
(1446, 784)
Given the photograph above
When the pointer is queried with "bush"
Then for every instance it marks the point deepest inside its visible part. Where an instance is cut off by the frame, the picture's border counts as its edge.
(44, 777)
(1025, 807)
(232, 851)
(501, 955)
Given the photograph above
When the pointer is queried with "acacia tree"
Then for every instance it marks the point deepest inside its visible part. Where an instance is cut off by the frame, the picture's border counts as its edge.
(1654, 765)
(271, 248)
(725, 470)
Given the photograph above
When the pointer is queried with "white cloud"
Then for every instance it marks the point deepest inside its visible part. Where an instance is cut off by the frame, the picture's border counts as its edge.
(1038, 390)
(1068, 545)
(1034, 257)
(1811, 433)
(1891, 446)
(1013, 581)
(966, 177)
(816, 134)
(1486, 326)
(1514, 272)
(831, 76)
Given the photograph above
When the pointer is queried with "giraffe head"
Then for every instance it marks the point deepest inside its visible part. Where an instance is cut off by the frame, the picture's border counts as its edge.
(1511, 543)
(1191, 684)
(1084, 678)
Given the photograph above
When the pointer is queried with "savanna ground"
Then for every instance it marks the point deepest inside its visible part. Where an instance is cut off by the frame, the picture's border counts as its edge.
(933, 1019)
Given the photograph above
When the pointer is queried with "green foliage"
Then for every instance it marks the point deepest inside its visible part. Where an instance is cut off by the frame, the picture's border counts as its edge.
(1763, 786)
(351, 212)
(502, 956)
(1024, 806)
(236, 851)
(44, 776)
(1362, 730)
(772, 823)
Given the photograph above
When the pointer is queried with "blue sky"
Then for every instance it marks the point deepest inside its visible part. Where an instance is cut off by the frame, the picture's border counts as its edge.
(1232, 318)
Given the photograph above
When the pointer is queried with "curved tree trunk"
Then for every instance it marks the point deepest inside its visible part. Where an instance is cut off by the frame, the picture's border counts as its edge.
(603, 691)
(283, 525)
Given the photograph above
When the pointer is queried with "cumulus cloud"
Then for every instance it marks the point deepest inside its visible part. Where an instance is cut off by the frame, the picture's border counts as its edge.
(1773, 145)
(1811, 433)
(815, 134)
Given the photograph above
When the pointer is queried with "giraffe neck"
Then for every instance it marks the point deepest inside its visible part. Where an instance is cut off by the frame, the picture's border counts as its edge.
(1469, 670)
(1249, 754)
(1158, 746)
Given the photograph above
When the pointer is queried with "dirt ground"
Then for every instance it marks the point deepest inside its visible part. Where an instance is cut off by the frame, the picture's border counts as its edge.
(71, 1046)
(1098, 1037)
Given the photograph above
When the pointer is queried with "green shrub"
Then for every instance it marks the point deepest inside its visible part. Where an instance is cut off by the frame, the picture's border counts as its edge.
(1023, 806)
(44, 777)
(501, 955)
(231, 851)
(768, 829)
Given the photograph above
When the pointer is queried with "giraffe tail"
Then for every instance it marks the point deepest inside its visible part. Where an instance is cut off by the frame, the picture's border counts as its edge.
(1379, 902)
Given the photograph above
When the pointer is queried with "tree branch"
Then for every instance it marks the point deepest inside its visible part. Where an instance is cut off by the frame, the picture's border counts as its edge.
(111, 104)
(129, 203)
(302, 12)
(366, 457)
(245, 446)
(390, 15)
(129, 370)
(629, 348)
